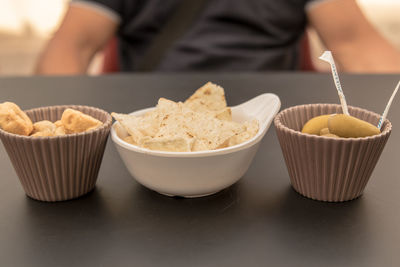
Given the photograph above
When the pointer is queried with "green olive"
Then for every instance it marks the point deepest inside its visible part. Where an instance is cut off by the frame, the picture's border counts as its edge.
(324, 131)
(315, 125)
(348, 126)
(330, 135)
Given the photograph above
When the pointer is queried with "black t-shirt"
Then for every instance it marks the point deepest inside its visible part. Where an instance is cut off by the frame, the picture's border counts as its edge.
(228, 35)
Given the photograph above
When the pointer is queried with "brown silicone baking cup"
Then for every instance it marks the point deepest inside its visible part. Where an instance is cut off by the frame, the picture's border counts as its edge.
(59, 167)
(323, 168)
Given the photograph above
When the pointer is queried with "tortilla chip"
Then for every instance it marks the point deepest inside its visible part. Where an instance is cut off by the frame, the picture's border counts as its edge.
(203, 130)
(130, 123)
(210, 97)
(225, 114)
(129, 139)
(199, 145)
(177, 144)
(251, 130)
(210, 132)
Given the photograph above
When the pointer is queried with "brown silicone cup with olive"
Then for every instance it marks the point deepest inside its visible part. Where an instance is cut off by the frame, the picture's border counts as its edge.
(324, 168)
(59, 167)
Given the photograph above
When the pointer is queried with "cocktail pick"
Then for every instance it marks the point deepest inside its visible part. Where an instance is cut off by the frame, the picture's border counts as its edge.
(386, 111)
(327, 56)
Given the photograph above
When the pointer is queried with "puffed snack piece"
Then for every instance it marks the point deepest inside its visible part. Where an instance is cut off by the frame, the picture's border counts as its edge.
(14, 120)
(43, 128)
(75, 121)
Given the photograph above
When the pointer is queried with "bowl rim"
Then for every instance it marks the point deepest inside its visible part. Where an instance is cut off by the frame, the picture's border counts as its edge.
(279, 124)
(105, 124)
(191, 154)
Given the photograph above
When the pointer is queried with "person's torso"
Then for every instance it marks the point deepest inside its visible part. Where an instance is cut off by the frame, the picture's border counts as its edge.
(227, 35)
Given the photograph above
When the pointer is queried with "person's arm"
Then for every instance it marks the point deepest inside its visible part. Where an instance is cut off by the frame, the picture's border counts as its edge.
(354, 42)
(83, 32)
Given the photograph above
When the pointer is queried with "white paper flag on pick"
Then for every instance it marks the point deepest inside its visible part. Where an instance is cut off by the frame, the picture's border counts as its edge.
(386, 111)
(327, 56)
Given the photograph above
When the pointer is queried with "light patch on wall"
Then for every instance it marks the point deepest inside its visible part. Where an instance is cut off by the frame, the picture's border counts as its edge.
(384, 15)
(40, 16)
(11, 20)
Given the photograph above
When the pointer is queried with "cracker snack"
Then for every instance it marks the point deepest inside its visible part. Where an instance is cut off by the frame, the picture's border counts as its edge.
(202, 122)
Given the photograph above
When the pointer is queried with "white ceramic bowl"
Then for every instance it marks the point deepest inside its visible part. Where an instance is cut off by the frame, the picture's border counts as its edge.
(195, 174)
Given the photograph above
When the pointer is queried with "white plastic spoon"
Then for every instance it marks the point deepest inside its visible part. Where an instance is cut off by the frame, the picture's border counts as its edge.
(327, 56)
(386, 111)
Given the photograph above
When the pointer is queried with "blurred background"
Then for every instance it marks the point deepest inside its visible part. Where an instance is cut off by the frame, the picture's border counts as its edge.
(26, 25)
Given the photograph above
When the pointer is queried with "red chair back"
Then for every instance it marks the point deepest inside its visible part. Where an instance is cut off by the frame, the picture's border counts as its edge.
(306, 63)
(110, 59)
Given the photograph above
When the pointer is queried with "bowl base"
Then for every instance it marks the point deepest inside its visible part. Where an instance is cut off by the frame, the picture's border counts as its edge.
(187, 196)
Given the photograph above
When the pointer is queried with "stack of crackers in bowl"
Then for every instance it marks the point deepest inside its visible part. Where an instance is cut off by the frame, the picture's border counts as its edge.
(202, 122)
(191, 148)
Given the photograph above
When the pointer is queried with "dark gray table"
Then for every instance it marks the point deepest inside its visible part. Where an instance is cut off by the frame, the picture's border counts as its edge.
(259, 221)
